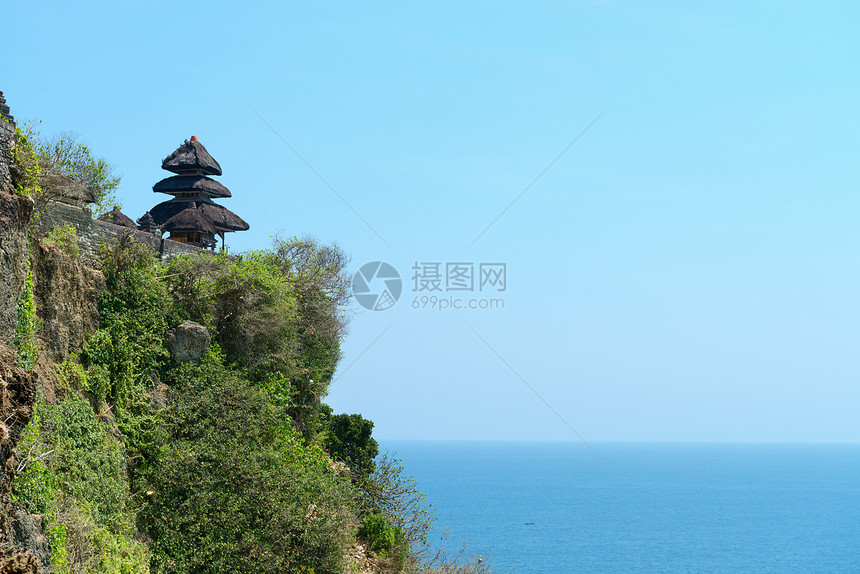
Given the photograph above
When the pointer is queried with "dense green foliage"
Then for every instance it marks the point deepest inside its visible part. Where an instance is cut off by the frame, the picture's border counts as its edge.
(349, 439)
(376, 529)
(73, 471)
(277, 315)
(26, 344)
(65, 237)
(26, 167)
(231, 464)
(126, 354)
(75, 160)
(34, 158)
(237, 491)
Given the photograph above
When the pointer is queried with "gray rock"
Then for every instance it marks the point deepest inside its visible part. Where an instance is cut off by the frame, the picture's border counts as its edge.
(29, 536)
(187, 343)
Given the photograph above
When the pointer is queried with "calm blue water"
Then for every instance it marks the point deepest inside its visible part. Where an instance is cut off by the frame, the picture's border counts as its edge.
(645, 507)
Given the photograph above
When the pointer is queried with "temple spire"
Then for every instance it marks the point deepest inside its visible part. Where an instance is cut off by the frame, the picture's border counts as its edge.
(191, 216)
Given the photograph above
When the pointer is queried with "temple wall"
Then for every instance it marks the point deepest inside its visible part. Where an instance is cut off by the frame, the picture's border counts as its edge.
(92, 233)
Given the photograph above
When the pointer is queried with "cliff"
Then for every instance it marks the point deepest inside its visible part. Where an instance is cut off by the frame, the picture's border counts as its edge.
(22, 545)
(65, 295)
(126, 452)
(65, 292)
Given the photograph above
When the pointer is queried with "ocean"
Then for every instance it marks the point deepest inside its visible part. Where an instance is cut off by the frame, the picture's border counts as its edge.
(555, 507)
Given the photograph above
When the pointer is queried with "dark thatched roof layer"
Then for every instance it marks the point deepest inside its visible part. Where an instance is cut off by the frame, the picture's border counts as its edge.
(190, 219)
(117, 217)
(201, 184)
(146, 222)
(191, 157)
(221, 217)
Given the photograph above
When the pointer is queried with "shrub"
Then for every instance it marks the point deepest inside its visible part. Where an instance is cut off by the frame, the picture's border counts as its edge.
(88, 463)
(26, 344)
(382, 536)
(74, 159)
(235, 489)
(72, 471)
(65, 237)
(33, 157)
(25, 161)
(391, 492)
(276, 315)
(246, 303)
(348, 439)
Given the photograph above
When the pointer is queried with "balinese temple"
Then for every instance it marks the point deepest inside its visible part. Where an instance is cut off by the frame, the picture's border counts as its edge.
(191, 216)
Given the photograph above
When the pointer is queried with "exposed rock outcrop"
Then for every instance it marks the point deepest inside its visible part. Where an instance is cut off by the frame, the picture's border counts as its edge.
(187, 343)
(21, 538)
(15, 214)
(65, 291)
(20, 563)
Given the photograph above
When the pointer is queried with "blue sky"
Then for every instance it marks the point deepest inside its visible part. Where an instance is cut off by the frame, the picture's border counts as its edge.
(687, 270)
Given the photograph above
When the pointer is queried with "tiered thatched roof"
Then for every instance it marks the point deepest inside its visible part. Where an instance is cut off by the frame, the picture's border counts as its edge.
(190, 218)
(191, 157)
(146, 223)
(182, 184)
(221, 217)
(191, 215)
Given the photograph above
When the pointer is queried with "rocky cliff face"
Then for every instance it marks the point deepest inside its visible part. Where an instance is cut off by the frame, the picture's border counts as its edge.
(15, 215)
(23, 546)
(65, 291)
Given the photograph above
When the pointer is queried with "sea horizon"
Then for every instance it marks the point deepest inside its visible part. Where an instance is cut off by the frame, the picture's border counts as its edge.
(540, 507)
(383, 441)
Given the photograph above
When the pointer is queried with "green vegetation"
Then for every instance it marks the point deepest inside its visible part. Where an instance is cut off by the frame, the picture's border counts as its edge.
(350, 441)
(65, 237)
(230, 464)
(73, 472)
(73, 159)
(26, 344)
(35, 158)
(25, 157)
(237, 490)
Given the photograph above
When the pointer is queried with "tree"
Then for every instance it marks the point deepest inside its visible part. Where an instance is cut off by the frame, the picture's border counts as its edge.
(236, 490)
(278, 316)
(348, 439)
(71, 157)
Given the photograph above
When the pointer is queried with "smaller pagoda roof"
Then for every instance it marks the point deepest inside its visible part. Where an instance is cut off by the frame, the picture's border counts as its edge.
(146, 222)
(221, 217)
(117, 217)
(190, 219)
(191, 157)
(201, 184)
